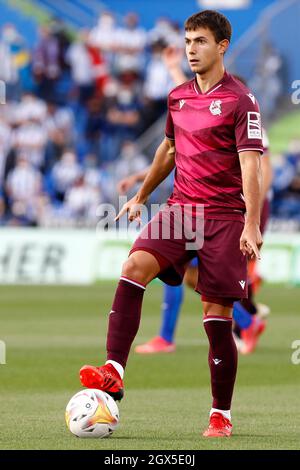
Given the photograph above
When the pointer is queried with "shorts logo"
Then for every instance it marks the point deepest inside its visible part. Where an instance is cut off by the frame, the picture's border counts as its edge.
(217, 361)
(215, 107)
(181, 103)
(242, 283)
(254, 125)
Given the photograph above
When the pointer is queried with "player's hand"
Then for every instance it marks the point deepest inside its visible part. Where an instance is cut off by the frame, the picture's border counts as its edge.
(126, 184)
(172, 56)
(251, 241)
(133, 208)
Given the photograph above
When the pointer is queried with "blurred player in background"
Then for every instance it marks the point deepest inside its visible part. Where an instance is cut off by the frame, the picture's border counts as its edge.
(213, 139)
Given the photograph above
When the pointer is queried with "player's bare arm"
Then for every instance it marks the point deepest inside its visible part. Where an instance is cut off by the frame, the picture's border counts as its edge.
(172, 57)
(267, 176)
(251, 239)
(127, 183)
(162, 165)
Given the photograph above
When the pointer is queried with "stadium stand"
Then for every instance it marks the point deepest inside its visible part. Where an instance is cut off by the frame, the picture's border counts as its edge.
(84, 103)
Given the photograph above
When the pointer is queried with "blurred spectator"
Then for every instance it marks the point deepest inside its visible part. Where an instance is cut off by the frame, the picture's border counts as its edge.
(286, 186)
(92, 173)
(166, 31)
(59, 124)
(23, 188)
(131, 161)
(267, 81)
(14, 60)
(81, 66)
(5, 143)
(131, 41)
(122, 115)
(104, 35)
(59, 31)
(158, 83)
(93, 126)
(46, 64)
(82, 200)
(64, 173)
(88, 68)
(29, 140)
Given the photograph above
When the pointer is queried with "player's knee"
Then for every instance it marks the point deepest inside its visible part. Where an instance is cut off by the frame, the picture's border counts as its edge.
(129, 268)
(133, 269)
(213, 308)
(141, 267)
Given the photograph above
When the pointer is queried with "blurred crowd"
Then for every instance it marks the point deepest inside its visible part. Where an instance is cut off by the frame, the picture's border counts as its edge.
(75, 109)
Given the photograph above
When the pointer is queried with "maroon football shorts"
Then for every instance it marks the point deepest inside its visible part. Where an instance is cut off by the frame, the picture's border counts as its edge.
(222, 268)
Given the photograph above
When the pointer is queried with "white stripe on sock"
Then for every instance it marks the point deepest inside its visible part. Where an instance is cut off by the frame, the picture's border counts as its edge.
(225, 413)
(217, 319)
(132, 282)
(118, 367)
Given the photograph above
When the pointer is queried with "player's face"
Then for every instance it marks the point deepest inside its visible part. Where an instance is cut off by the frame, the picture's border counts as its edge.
(202, 50)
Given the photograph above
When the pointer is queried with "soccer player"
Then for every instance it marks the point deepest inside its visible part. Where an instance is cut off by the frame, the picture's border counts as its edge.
(247, 315)
(213, 140)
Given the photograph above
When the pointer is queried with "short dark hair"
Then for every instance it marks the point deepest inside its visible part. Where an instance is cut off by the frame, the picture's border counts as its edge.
(217, 23)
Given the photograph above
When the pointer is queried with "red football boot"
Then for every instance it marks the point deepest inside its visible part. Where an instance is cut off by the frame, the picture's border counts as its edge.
(104, 378)
(251, 335)
(219, 426)
(155, 345)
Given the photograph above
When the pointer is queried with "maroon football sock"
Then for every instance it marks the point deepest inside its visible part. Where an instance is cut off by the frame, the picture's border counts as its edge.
(124, 319)
(222, 359)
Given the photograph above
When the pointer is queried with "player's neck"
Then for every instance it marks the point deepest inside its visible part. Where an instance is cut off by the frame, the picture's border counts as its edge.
(208, 79)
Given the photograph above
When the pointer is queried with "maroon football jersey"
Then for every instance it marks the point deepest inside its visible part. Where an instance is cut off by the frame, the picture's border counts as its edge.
(209, 130)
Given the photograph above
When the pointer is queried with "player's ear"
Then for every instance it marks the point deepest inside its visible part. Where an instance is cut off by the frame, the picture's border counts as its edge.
(223, 46)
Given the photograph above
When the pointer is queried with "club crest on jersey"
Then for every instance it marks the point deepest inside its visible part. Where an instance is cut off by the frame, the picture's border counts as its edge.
(215, 107)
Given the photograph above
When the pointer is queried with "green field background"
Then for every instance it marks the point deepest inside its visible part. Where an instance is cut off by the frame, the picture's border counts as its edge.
(50, 332)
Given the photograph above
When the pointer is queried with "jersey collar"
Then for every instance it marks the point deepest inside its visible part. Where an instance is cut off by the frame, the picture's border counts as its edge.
(216, 86)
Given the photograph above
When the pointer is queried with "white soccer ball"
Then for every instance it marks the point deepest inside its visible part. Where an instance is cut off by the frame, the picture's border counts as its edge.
(92, 413)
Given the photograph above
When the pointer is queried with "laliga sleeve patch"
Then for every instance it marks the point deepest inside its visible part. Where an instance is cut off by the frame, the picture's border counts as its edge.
(254, 125)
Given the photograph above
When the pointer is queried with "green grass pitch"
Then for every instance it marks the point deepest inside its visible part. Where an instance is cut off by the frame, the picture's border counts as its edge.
(51, 331)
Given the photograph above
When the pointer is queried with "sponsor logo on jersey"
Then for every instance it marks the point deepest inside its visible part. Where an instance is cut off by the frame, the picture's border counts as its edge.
(242, 283)
(181, 103)
(215, 107)
(254, 125)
